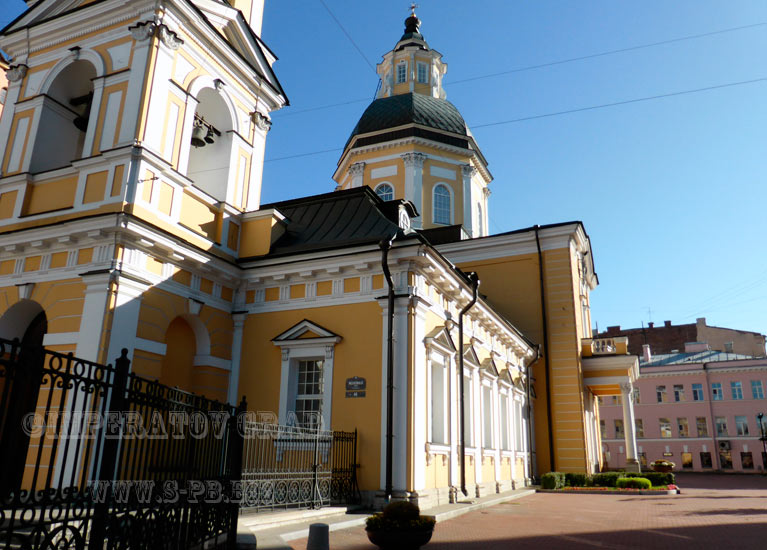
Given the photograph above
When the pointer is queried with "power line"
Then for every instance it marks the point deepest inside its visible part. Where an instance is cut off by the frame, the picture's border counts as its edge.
(616, 103)
(602, 54)
(569, 111)
(348, 35)
(287, 113)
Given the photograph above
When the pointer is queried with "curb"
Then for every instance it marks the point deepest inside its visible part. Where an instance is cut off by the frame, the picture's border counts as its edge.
(667, 492)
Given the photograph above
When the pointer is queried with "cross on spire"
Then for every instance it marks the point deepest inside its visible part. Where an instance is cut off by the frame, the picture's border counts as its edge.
(413, 6)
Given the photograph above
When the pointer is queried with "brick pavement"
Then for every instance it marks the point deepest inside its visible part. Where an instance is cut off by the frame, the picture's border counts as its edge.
(713, 511)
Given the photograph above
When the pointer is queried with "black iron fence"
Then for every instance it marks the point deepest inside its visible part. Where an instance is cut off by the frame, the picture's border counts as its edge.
(293, 466)
(93, 455)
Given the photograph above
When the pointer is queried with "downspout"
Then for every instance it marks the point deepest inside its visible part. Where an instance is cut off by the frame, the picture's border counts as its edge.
(461, 423)
(529, 413)
(545, 349)
(385, 247)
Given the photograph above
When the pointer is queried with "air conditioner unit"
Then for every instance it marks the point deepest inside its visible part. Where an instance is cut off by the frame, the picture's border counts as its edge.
(724, 446)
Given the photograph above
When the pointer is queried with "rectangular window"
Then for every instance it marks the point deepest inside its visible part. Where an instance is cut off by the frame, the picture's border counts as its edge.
(487, 417)
(438, 399)
(741, 425)
(705, 460)
(687, 460)
(309, 392)
(678, 392)
(763, 427)
(716, 391)
(747, 461)
(639, 427)
(505, 440)
(737, 390)
(467, 421)
(423, 73)
(757, 392)
(721, 425)
(697, 392)
(684, 429)
(600, 401)
(636, 395)
(619, 434)
(660, 392)
(643, 459)
(702, 426)
(725, 459)
(617, 400)
(665, 428)
(603, 429)
(401, 73)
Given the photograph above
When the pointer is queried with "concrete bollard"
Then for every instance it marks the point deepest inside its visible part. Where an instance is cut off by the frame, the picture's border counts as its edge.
(318, 537)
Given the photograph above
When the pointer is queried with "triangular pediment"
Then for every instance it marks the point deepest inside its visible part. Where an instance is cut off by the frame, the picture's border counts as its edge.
(440, 337)
(488, 367)
(43, 10)
(506, 378)
(470, 356)
(305, 330)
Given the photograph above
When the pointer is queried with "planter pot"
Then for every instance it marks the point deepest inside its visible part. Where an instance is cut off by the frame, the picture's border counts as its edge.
(400, 540)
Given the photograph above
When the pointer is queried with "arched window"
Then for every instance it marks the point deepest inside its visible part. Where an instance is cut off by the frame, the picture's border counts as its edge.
(479, 221)
(64, 118)
(211, 146)
(442, 206)
(385, 191)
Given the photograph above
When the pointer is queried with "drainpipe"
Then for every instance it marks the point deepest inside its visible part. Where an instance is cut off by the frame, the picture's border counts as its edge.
(545, 349)
(385, 247)
(529, 414)
(474, 288)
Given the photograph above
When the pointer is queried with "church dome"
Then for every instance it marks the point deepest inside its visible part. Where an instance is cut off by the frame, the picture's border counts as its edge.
(417, 113)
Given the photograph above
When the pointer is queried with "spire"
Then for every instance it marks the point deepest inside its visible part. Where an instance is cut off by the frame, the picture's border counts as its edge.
(412, 29)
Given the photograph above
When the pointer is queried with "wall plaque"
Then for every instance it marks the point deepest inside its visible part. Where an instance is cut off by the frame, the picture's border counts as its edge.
(355, 386)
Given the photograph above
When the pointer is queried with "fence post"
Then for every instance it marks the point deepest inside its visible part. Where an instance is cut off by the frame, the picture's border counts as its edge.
(236, 446)
(106, 470)
(315, 480)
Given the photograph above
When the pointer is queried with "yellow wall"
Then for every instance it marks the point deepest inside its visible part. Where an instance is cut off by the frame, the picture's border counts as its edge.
(358, 354)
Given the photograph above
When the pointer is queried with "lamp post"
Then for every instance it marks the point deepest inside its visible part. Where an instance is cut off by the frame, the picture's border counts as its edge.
(763, 439)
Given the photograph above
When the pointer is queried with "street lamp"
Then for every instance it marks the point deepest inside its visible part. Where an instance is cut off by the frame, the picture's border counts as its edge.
(763, 439)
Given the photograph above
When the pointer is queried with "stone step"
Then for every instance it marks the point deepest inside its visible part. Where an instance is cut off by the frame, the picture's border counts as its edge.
(262, 521)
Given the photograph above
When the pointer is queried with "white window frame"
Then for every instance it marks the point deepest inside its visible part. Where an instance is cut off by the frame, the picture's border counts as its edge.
(425, 68)
(380, 185)
(398, 72)
(488, 413)
(451, 206)
(507, 437)
(443, 363)
(757, 384)
(295, 349)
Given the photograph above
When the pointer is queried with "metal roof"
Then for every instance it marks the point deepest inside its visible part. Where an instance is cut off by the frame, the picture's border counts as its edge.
(709, 356)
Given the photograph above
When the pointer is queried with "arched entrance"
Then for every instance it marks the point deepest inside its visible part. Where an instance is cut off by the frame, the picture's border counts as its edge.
(19, 386)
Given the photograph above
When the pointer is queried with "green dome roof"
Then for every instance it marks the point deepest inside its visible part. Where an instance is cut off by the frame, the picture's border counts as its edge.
(411, 109)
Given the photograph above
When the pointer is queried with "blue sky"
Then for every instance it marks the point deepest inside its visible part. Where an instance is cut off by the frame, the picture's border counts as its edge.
(672, 191)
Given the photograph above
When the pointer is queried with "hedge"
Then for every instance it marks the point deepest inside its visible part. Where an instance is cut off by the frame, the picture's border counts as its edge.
(577, 480)
(553, 480)
(656, 478)
(633, 483)
(606, 479)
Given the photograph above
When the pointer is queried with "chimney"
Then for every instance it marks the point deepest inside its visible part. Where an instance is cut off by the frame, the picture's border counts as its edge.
(666, 323)
(646, 355)
(650, 324)
(696, 347)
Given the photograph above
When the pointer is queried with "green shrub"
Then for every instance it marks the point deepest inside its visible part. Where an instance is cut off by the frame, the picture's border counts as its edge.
(400, 515)
(553, 480)
(633, 483)
(576, 480)
(606, 479)
(656, 478)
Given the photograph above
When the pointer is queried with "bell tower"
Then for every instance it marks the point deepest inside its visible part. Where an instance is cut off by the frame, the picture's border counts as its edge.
(412, 143)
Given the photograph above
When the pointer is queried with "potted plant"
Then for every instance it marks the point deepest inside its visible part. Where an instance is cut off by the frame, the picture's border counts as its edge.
(664, 466)
(400, 527)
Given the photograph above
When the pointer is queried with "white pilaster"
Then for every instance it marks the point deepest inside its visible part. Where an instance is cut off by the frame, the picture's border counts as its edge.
(92, 320)
(357, 172)
(234, 375)
(421, 403)
(468, 171)
(414, 183)
(128, 293)
(628, 423)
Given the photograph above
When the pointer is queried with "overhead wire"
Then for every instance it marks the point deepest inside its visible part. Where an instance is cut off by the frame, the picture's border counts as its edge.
(349, 36)
(565, 112)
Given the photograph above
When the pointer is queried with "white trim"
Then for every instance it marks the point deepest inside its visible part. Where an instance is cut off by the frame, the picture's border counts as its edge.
(451, 208)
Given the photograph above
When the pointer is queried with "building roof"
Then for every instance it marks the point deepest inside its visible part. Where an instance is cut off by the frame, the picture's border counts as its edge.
(412, 109)
(708, 356)
(335, 220)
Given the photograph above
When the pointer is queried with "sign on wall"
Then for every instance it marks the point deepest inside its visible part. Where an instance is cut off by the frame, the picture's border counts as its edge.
(355, 386)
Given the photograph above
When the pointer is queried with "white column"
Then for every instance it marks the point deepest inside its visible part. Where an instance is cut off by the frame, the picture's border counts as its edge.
(468, 172)
(15, 78)
(628, 423)
(421, 401)
(357, 172)
(414, 183)
(125, 316)
(93, 316)
(234, 375)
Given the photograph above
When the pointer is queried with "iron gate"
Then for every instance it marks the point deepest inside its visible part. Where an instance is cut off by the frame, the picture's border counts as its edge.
(90, 457)
(286, 466)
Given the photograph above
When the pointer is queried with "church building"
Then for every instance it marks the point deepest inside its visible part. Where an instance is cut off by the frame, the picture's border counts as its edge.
(133, 140)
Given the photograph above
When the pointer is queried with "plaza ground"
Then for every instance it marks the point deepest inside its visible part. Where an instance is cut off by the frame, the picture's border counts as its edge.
(713, 511)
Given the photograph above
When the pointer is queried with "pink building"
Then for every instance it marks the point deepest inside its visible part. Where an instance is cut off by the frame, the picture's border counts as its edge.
(699, 409)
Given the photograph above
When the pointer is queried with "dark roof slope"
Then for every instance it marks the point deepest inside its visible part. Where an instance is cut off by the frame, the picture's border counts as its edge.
(412, 108)
(333, 220)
